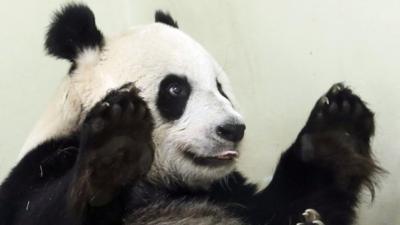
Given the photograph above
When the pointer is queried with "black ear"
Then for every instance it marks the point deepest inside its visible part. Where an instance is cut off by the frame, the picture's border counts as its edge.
(73, 29)
(164, 17)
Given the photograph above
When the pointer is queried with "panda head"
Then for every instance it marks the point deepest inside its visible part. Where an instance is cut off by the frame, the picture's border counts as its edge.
(197, 128)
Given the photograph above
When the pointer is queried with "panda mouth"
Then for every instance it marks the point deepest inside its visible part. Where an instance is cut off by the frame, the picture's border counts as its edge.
(221, 159)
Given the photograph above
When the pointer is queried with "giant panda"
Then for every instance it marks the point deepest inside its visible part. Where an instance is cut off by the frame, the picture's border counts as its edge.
(145, 130)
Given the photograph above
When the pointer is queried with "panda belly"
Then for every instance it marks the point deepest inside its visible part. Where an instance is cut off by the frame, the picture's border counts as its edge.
(181, 212)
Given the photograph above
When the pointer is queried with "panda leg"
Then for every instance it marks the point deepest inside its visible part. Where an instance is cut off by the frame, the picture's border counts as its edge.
(327, 166)
(115, 150)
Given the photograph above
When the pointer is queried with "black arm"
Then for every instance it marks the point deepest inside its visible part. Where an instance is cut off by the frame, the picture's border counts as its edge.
(83, 179)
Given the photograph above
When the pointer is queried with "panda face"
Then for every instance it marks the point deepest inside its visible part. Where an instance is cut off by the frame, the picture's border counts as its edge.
(191, 141)
(197, 128)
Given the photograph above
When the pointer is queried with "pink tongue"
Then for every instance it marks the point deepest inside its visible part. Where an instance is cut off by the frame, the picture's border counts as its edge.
(228, 155)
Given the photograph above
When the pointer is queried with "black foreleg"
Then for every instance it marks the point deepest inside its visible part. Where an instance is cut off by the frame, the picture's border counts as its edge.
(82, 179)
(326, 168)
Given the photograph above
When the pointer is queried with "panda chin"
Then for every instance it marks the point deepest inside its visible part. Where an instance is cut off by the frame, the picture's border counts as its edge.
(225, 158)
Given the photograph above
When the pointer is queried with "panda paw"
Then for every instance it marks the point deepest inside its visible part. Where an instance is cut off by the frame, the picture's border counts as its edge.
(341, 110)
(339, 125)
(116, 146)
(311, 217)
(336, 140)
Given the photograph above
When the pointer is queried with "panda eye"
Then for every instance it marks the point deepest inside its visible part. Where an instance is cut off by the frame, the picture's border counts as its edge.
(173, 94)
(221, 91)
(174, 89)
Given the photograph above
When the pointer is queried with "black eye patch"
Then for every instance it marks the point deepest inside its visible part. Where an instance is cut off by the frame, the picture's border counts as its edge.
(173, 93)
(219, 86)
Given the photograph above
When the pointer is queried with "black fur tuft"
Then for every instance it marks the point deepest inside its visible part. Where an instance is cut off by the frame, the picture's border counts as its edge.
(72, 30)
(166, 18)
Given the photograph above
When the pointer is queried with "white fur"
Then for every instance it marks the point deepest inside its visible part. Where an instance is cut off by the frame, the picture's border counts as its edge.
(145, 55)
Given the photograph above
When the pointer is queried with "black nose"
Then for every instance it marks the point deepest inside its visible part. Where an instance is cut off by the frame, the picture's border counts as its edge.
(231, 132)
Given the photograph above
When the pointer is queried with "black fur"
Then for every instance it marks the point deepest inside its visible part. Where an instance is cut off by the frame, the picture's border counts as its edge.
(171, 107)
(72, 30)
(47, 164)
(325, 169)
(165, 18)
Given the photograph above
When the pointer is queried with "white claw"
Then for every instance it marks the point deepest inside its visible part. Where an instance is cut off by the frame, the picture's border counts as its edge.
(311, 215)
(337, 88)
(324, 100)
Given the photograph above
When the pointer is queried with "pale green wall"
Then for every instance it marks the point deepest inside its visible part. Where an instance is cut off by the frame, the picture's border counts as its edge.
(281, 56)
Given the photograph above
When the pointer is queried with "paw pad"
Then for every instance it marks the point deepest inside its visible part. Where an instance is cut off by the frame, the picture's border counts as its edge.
(341, 109)
(116, 146)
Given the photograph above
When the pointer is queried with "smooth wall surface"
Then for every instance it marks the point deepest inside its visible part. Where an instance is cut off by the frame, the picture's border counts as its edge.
(280, 55)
